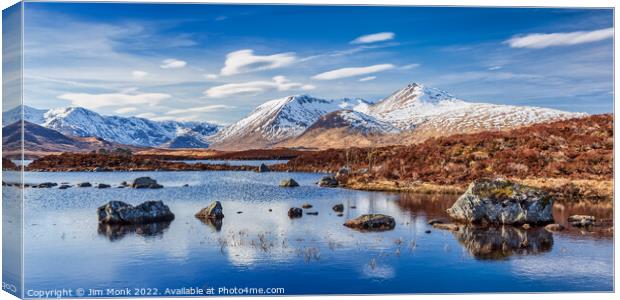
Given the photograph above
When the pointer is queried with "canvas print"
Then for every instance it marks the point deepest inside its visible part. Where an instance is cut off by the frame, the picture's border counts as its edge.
(230, 149)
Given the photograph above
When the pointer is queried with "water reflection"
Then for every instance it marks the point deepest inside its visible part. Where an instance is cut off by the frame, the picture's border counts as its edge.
(502, 242)
(116, 232)
(213, 223)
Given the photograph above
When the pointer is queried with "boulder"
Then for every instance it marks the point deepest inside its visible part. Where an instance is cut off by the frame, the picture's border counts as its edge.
(47, 185)
(295, 212)
(213, 211)
(328, 181)
(103, 186)
(289, 183)
(372, 222)
(118, 212)
(145, 183)
(84, 184)
(338, 207)
(263, 168)
(501, 201)
(343, 173)
(64, 186)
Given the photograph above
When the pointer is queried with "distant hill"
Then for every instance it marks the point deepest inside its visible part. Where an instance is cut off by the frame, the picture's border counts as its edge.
(39, 140)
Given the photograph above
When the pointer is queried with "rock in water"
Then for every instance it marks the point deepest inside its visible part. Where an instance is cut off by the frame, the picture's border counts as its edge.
(103, 186)
(289, 183)
(145, 183)
(306, 206)
(581, 220)
(213, 211)
(84, 184)
(263, 168)
(328, 181)
(47, 185)
(501, 201)
(338, 207)
(372, 222)
(554, 227)
(295, 212)
(118, 212)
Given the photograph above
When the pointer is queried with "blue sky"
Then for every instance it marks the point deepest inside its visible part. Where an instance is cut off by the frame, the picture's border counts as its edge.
(217, 62)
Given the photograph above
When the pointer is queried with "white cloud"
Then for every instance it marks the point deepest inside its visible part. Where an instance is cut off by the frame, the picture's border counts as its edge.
(172, 63)
(139, 74)
(351, 72)
(147, 115)
(279, 83)
(369, 78)
(94, 101)
(202, 109)
(373, 38)
(244, 61)
(211, 76)
(494, 68)
(409, 66)
(124, 110)
(544, 40)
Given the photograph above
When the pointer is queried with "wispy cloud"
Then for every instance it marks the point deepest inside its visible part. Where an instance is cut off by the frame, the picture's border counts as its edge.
(125, 110)
(173, 63)
(202, 109)
(369, 78)
(279, 83)
(244, 61)
(409, 66)
(137, 74)
(544, 40)
(352, 72)
(373, 38)
(94, 101)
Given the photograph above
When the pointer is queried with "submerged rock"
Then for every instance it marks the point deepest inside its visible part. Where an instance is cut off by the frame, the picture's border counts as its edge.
(372, 222)
(554, 227)
(338, 207)
(289, 183)
(295, 212)
(501, 201)
(145, 183)
(64, 186)
(306, 205)
(446, 226)
(118, 212)
(312, 213)
(328, 181)
(213, 211)
(581, 220)
(84, 184)
(263, 168)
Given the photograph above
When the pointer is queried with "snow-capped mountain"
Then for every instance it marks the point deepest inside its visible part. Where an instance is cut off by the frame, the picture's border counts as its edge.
(81, 122)
(281, 119)
(31, 114)
(419, 106)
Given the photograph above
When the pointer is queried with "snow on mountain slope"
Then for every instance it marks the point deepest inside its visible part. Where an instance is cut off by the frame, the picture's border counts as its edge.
(280, 119)
(78, 121)
(419, 106)
(81, 122)
(354, 122)
(31, 114)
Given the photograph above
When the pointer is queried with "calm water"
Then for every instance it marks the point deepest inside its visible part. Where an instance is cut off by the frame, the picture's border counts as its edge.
(65, 247)
(254, 163)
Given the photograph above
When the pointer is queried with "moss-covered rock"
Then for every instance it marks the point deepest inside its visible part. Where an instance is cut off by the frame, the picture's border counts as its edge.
(372, 222)
(502, 201)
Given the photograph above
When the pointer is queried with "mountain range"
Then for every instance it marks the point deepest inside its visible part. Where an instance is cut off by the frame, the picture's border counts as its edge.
(413, 113)
(134, 131)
